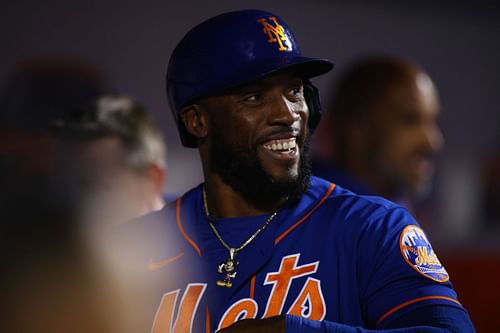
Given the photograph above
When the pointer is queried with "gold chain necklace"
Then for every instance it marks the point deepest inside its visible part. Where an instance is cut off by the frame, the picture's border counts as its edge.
(229, 266)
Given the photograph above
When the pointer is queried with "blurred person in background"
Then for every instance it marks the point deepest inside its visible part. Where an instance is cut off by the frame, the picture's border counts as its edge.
(490, 199)
(382, 130)
(114, 156)
(112, 159)
(380, 138)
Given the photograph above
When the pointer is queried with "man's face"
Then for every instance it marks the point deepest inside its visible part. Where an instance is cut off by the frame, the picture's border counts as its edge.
(257, 136)
(403, 135)
(114, 190)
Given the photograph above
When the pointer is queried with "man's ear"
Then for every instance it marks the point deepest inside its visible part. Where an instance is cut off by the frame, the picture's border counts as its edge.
(195, 120)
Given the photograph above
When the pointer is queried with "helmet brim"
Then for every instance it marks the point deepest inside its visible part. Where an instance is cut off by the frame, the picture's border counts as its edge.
(304, 67)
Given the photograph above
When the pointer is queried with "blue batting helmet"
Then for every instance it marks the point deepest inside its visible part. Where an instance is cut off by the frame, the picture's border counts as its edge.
(230, 50)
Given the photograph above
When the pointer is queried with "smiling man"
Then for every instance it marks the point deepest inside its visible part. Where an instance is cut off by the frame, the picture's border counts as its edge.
(262, 246)
(257, 136)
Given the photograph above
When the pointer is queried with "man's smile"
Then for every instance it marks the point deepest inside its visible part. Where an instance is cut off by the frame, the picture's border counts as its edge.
(282, 149)
(281, 145)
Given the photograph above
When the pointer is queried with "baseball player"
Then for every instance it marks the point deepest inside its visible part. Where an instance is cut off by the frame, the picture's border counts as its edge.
(261, 245)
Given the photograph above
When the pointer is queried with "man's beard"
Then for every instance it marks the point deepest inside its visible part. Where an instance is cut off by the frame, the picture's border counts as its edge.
(240, 168)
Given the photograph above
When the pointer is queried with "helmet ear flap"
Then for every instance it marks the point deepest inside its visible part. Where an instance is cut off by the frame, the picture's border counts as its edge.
(311, 94)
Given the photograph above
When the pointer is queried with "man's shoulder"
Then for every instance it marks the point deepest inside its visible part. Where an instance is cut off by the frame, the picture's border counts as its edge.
(342, 195)
(342, 204)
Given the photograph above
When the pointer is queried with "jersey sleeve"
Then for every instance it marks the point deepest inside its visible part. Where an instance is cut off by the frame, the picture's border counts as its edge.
(433, 319)
(398, 269)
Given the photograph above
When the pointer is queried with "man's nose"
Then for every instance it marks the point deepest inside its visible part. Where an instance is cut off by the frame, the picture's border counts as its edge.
(433, 137)
(284, 112)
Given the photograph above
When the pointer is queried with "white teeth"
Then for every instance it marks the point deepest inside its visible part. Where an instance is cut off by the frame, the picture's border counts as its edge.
(282, 145)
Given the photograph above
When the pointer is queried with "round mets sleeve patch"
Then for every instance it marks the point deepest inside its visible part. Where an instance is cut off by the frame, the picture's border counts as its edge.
(418, 253)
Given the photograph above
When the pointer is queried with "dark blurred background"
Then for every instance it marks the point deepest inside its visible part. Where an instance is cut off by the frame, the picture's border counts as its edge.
(457, 42)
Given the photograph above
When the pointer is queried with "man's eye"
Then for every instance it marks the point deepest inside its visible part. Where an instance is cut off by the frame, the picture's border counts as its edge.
(252, 98)
(297, 91)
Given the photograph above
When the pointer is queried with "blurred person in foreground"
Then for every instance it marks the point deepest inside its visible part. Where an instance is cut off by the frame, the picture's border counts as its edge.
(114, 156)
(55, 278)
(382, 130)
(41, 90)
(261, 245)
(36, 93)
(52, 282)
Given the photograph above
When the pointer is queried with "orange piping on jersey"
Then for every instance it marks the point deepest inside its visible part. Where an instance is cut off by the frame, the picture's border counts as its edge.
(296, 224)
(252, 286)
(399, 307)
(184, 234)
(207, 320)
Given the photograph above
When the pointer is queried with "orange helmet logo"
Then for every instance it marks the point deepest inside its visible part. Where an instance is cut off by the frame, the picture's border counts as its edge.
(276, 33)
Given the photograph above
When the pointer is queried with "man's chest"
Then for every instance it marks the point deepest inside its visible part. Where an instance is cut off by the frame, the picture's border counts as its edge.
(313, 286)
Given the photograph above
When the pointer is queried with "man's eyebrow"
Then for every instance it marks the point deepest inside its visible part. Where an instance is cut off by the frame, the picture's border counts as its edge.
(248, 88)
(297, 81)
(263, 85)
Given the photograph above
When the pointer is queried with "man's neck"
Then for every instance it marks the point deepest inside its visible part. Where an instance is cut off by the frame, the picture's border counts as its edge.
(223, 201)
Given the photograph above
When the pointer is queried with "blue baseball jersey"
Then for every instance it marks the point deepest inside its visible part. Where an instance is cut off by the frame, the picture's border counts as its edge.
(335, 256)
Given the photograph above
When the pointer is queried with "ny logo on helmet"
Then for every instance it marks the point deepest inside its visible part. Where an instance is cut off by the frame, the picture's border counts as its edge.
(275, 33)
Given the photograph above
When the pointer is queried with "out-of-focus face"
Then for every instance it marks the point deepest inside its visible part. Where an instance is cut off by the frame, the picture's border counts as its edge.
(258, 133)
(114, 192)
(403, 135)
